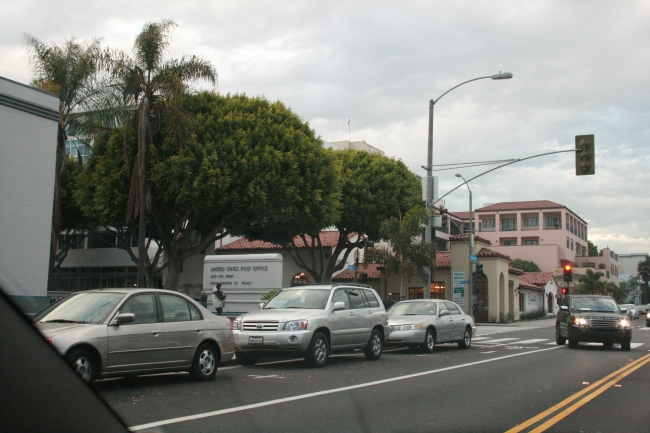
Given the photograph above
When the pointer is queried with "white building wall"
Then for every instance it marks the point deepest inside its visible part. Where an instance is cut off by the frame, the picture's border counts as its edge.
(28, 130)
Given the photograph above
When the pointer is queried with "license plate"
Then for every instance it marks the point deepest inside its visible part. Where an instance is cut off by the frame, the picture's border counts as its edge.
(256, 340)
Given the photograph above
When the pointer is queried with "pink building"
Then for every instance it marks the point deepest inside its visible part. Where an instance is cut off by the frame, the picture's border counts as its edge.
(544, 232)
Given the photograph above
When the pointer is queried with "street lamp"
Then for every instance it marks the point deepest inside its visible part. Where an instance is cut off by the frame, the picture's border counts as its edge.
(470, 240)
(429, 167)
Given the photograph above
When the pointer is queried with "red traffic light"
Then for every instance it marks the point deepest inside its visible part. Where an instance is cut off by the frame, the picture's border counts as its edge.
(565, 290)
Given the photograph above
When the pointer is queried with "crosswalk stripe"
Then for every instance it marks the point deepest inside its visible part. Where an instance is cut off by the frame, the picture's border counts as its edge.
(499, 340)
(480, 338)
(534, 340)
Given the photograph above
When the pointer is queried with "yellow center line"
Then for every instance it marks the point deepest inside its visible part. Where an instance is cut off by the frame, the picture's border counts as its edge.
(557, 418)
(551, 410)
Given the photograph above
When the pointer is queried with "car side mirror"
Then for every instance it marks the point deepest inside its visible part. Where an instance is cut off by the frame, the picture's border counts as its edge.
(124, 318)
(444, 313)
(564, 308)
(260, 306)
(338, 306)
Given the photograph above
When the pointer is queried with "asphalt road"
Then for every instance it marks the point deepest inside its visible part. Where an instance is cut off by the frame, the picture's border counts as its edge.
(513, 378)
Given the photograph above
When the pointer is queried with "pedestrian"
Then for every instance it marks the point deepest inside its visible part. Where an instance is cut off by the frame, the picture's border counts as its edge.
(218, 299)
(389, 301)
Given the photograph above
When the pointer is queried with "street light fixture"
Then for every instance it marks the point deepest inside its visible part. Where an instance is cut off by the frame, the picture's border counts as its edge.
(429, 166)
(470, 243)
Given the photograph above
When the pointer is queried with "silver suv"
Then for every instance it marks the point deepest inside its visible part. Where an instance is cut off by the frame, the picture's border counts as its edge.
(314, 321)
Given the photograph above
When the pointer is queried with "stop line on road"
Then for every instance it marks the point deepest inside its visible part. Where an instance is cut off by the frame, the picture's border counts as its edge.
(498, 342)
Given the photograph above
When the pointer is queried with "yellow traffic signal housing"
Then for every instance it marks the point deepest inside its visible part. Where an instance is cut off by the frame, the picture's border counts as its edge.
(585, 164)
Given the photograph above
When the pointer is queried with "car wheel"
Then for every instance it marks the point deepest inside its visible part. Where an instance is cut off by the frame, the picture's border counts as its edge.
(374, 347)
(246, 359)
(607, 345)
(205, 362)
(318, 351)
(559, 340)
(83, 362)
(573, 344)
(429, 344)
(625, 346)
(467, 339)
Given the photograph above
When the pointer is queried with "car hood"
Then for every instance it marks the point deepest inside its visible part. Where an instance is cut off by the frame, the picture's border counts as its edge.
(407, 320)
(52, 329)
(281, 314)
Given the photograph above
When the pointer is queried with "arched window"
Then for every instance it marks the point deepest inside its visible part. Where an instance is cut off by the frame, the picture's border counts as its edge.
(300, 279)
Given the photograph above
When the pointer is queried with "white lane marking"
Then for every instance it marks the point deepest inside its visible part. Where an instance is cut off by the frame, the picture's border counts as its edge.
(533, 341)
(499, 340)
(635, 345)
(480, 338)
(326, 392)
(491, 351)
(552, 344)
(270, 376)
(230, 367)
(632, 345)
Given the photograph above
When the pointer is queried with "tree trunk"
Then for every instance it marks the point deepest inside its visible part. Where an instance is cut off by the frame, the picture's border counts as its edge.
(173, 273)
(56, 202)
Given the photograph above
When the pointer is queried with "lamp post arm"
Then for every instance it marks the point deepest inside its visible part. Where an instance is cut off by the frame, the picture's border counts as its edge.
(458, 85)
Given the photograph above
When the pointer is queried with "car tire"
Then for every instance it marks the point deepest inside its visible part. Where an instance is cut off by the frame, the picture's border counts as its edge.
(467, 339)
(375, 346)
(559, 340)
(429, 344)
(608, 345)
(206, 362)
(84, 364)
(625, 346)
(246, 359)
(573, 344)
(318, 351)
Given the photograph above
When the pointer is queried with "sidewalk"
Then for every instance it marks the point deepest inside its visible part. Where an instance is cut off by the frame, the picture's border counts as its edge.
(531, 324)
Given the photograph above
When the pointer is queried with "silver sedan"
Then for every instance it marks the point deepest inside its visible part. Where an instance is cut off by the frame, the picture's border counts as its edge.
(424, 323)
(126, 332)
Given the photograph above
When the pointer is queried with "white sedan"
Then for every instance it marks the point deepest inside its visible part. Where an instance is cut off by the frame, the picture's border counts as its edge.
(425, 322)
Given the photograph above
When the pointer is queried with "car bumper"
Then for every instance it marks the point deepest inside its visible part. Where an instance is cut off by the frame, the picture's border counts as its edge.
(413, 336)
(608, 335)
(282, 341)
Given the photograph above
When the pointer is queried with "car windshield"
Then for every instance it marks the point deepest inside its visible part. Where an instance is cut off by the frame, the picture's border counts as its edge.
(412, 309)
(80, 308)
(602, 305)
(315, 299)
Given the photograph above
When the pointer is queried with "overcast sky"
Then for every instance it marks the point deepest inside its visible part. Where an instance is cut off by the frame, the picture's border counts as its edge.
(579, 68)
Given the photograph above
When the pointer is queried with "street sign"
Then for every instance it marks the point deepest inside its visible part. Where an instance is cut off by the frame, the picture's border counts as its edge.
(465, 282)
(473, 258)
(352, 268)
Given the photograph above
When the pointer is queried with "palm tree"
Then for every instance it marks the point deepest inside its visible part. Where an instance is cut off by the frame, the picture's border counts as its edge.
(151, 88)
(70, 71)
(405, 256)
(590, 282)
(643, 269)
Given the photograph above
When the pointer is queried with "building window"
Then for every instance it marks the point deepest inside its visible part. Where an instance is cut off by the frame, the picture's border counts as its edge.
(531, 242)
(572, 244)
(509, 224)
(531, 222)
(509, 243)
(567, 243)
(489, 223)
(522, 303)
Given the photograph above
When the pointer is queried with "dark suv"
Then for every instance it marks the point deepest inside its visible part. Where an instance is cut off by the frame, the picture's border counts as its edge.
(592, 318)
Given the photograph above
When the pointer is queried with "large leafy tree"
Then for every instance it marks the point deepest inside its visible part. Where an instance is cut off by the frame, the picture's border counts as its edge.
(643, 270)
(406, 255)
(592, 250)
(590, 283)
(621, 293)
(70, 70)
(373, 188)
(153, 88)
(525, 265)
(249, 165)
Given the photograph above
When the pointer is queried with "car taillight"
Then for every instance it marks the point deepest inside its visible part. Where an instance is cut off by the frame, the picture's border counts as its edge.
(50, 340)
(231, 324)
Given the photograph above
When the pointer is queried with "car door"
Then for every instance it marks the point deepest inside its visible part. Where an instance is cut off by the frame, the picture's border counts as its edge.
(341, 323)
(140, 344)
(457, 322)
(563, 315)
(361, 317)
(182, 334)
(444, 323)
(376, 310)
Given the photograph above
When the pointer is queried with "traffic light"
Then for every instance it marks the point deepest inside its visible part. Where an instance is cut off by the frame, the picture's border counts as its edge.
(568, 272)
(367, 244)
(479, 270)
(585, 164)
(565, 291)
(443, 214)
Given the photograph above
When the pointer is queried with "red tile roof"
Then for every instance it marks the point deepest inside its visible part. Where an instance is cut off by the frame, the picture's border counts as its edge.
(372, 269)
(521, 205)
(529, 286)
(328, 239)
(486, 252)
(460, 215)
(515, 271)
(443, 260)
(463, 237)
(537, 278)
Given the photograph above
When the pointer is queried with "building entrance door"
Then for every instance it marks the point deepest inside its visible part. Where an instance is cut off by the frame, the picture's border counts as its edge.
(480, 299)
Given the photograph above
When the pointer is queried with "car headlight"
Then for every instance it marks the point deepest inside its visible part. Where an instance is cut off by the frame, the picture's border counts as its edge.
(236, 325)
(405, 327)
(580, 321)
(625, 323)
(295, 325)
(648, 315)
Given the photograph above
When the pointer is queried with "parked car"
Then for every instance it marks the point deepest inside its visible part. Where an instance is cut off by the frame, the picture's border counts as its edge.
(592, 318)
(314, 321)
(424, 323)
(631, 311)
(126, 332)
(643, 310)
